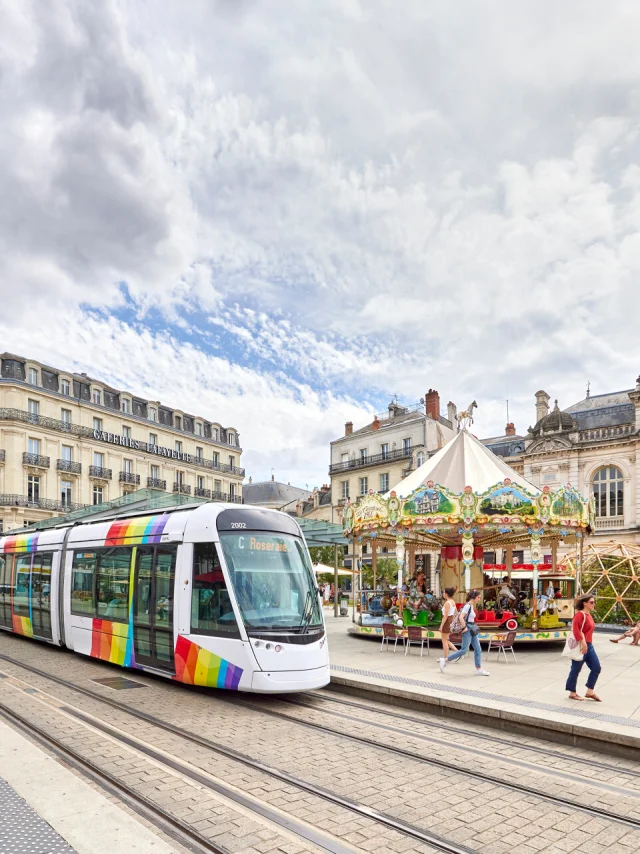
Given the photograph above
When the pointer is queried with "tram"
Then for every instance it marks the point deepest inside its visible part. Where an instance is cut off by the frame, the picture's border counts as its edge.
(214, 595)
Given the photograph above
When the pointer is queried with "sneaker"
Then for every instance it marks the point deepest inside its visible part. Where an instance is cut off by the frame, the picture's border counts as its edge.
(443, 663)
(482, 672)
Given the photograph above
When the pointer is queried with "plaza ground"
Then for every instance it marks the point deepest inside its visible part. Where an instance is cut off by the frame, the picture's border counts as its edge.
(529, 691)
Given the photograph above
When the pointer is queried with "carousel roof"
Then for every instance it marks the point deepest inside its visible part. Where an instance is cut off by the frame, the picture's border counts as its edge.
(464, 461)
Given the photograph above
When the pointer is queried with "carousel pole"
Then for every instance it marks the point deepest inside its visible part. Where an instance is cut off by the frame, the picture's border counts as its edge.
(467, 558)
(354, 577)
(400, 558)
(509, 562)
(554, 555)
(374, 563)
(336, 606)
(579, 570)
(535, 560)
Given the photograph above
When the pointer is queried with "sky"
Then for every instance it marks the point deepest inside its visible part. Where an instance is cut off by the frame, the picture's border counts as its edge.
(278, 215)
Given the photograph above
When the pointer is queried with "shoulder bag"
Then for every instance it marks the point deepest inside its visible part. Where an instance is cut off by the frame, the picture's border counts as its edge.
(474, 628)
(572, 648)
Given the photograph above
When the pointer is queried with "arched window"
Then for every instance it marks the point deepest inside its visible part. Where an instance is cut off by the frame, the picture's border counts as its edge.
(608, 489)
(420, 460)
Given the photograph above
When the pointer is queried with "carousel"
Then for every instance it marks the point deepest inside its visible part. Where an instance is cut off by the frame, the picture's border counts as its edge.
(461, 503)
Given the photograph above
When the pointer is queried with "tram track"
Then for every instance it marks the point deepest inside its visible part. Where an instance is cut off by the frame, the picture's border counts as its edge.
(437, 842)
(407, 830)
(308, 701)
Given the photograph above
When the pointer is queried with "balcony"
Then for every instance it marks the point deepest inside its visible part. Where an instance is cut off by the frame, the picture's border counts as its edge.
(69, 467)
(608, 523)
(373, 460)
(155, 483)
(224, 496)
(98, 473)
(12, 500)
(199, 492)
(181, 488)
(36, 460)
(129, 477)
(600, 434)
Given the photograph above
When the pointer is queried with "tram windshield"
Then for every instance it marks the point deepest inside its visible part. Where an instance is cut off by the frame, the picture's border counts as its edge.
(273, 580)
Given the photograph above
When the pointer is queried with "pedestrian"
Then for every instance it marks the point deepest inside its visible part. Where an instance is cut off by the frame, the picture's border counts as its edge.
(448, 613)
(582, 628)
(634, 633)
(470, 632)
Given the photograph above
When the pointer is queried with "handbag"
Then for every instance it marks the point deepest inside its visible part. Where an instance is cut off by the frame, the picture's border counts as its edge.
(474, 629)
(572, 648)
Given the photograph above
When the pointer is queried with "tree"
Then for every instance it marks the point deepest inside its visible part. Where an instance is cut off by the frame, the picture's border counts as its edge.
(324, 554)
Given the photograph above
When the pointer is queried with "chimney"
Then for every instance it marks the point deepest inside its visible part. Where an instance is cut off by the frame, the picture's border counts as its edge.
(432, 404)
(452, 411)
(376, 423)
(273, 477)
(348, 428)
(510, 429)
(542, 405)
(250, 480)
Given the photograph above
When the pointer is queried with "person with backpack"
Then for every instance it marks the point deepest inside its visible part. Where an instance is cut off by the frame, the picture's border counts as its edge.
(465, 622)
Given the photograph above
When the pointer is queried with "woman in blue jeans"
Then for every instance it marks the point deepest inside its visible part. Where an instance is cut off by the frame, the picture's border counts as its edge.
(469, 636)
(582, 627)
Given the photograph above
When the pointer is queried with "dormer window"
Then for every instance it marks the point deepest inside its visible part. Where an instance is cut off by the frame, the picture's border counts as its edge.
(231, 437)
(96, 396)
(215, 434)
(153, 415)
(198, 428)
(65, 387)
(178, 422)
(33, 376)
(126, 406)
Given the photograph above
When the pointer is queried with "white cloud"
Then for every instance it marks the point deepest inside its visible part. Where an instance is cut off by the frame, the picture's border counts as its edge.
(358, 199)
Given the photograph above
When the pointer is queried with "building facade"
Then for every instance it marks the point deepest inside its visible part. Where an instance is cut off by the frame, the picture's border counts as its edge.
(592, 444)
(67, 441)
(378, 456)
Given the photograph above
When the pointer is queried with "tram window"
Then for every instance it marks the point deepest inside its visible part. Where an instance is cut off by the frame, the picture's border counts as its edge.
(112, 586)
(211, 611)
(82, 586)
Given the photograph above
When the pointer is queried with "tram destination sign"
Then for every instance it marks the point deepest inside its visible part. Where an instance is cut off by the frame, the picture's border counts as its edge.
(136, 445)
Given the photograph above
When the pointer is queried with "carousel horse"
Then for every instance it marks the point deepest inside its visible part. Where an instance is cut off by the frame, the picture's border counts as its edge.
(466, 414)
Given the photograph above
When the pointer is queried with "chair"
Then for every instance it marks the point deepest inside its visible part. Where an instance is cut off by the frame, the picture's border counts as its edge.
(503, 643)
(390, 632)
(415, 635)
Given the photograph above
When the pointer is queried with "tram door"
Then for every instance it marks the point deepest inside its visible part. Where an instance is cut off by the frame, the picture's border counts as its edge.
(6, 568)
(153, 606)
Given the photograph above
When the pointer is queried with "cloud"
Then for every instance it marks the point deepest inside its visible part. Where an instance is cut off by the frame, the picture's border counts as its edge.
(335, 200)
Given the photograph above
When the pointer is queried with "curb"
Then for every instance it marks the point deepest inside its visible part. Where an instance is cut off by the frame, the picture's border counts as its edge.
(618, 744)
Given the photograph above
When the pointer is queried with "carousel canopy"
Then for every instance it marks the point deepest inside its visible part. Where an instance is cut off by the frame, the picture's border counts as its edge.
(464, 461)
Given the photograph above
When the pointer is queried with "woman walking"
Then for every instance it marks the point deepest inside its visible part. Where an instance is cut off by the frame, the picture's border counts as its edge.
(582, 627)
(448, 613)
(470, 634)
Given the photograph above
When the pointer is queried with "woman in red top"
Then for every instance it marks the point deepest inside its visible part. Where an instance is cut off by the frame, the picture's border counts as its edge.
(583, 626)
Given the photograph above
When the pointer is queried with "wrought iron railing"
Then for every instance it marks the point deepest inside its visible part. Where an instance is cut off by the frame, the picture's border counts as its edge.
(70, 466)
(224, 496)
(8, 414)
(182, 488)
(200, 492)
(99, 472)
(12, 500)
(129, 477)
(36, 460)
(156, 483)
(373, 460)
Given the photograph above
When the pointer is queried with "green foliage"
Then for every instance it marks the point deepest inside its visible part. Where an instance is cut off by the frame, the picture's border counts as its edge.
(325, 555)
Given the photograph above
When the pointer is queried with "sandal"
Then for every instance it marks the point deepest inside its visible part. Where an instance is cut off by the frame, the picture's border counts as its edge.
(593, 697)
(574, 696)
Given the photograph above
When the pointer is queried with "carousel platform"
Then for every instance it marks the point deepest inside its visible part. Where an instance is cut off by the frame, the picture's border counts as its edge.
(555, 635)
(523, 696)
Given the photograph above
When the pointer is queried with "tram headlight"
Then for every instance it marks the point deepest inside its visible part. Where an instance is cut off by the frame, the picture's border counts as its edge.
(278, 648)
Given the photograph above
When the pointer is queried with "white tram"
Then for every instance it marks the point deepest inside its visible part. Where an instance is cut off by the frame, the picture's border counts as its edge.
(214, 595)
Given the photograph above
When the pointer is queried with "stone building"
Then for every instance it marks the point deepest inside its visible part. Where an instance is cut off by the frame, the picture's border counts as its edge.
(592, 444)
(67, 440)
(380, 454)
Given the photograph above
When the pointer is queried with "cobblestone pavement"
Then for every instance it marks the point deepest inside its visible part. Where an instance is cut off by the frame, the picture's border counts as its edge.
(481, 815)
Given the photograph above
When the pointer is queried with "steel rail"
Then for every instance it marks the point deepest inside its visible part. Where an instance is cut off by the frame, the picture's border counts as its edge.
(412, 831)
(494, 739)
(173, 827)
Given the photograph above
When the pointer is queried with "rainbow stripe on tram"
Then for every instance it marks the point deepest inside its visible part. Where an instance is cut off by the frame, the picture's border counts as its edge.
(21, 543)
(197, 666)
(138, 531)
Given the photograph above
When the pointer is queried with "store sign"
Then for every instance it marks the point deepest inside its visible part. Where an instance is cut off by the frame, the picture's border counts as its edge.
(135, 445)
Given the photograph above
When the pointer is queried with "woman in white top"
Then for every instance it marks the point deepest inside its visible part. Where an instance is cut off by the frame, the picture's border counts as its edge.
(448, 613)
(470, 634)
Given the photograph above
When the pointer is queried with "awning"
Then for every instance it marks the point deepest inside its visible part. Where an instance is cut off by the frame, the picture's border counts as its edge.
(318, 533)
